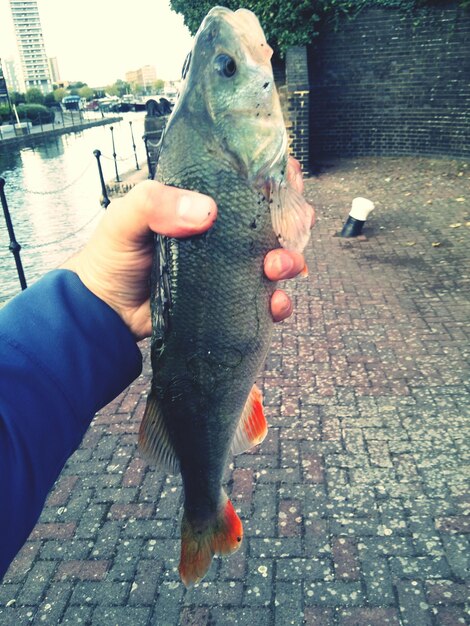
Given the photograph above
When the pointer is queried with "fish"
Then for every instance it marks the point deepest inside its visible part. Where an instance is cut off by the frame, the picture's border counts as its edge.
(210, 300)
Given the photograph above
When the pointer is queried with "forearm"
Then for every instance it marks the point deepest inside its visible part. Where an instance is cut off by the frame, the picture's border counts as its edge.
(64, 355)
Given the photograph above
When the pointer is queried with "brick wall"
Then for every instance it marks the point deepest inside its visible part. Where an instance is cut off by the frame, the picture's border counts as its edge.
(392, 83)
(297, 86)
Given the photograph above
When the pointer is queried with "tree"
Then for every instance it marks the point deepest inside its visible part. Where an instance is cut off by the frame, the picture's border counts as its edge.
(285, 22)
(59, 94)
(34, 96)
(158, 86)
(49, 99)
(119, 88)
(17, 98)
(77, 85)
(86, 92)
(137, 89)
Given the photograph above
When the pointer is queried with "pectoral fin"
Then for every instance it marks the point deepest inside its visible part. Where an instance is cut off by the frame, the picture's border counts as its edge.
(291, 216)
(252, 427)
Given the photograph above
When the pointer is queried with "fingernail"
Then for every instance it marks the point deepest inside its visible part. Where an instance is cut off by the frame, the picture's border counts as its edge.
(285, 305)
(194, 209)
(283, 264)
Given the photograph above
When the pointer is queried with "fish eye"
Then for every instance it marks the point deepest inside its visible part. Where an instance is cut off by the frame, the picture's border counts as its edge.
(225, 65)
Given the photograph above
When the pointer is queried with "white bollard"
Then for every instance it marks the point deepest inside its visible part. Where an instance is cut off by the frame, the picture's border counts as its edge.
(360, 209)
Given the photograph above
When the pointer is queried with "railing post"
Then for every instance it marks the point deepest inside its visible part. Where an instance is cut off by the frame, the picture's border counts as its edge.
(149, 162)
(118, 180)
(14, 246)
(105, 201)
(133, 146)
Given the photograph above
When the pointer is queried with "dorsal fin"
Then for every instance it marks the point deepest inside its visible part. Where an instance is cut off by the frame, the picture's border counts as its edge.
(252, 427)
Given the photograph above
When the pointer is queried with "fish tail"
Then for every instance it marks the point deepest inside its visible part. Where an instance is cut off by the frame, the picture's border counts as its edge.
(223, 535)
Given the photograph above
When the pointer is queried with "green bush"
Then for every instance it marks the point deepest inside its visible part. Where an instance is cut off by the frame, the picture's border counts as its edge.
(35, 113)
(295, 22)
(4, 114)
(34, 96)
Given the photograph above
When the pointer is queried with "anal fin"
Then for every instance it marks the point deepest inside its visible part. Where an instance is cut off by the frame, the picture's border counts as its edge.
(252, 428)
(154, 439)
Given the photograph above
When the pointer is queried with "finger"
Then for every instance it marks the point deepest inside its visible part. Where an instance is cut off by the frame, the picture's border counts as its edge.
(280, 264)
(166, 210)
(281, 306)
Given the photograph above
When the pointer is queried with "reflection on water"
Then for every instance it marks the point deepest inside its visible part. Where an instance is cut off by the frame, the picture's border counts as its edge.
(53, 193)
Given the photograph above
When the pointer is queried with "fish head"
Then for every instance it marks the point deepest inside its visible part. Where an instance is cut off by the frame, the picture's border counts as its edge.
(230, 93)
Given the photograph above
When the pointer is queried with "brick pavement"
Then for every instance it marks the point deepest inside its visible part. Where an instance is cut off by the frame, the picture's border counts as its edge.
(356, 507)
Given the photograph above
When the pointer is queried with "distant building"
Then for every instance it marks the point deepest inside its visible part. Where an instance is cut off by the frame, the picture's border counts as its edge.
(54, 70)
(30, 41)
(12, 75)
(144, 77)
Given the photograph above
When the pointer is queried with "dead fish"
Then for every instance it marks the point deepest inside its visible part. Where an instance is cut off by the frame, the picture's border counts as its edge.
(210, 299)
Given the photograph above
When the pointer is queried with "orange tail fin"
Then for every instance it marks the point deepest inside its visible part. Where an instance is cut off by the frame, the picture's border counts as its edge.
(222, 536)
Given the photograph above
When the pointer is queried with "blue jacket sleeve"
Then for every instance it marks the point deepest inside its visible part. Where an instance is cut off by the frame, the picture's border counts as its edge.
(64, 354)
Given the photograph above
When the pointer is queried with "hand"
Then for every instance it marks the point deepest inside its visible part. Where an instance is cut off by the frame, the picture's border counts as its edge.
(115, 264)
(280, 263)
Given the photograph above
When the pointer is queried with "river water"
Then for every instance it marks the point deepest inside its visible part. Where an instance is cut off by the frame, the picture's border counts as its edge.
(53, 192)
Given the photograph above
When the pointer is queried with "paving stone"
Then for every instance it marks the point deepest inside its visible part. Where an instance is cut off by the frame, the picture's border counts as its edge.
(457, 554)
(53, 605)
(288, 603)
(168, 604)
(69, 550)
(18, 616)
(37, 581)
(378, 581)
(412, 603)
(76, 615)
(285, 547)
(303, 569)
(451, 616)
(259, 582)
(103, 592)
(334, 594)
(417, 567)
(120, 616)
(194, 616)
(369, 617)
(243, 616)
(447, 592)
(355, 507)
(319, 616)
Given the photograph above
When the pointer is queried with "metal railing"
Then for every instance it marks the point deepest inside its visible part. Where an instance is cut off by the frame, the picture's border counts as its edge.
(39, 124)
(15, 247)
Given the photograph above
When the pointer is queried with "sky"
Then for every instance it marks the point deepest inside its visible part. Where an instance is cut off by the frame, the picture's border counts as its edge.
(98, 41)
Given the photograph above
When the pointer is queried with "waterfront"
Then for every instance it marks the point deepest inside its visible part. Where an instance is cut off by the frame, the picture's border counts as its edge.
(53, 194)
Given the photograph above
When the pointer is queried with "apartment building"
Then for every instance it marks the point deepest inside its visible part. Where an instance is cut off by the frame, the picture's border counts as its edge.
(34, 62)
